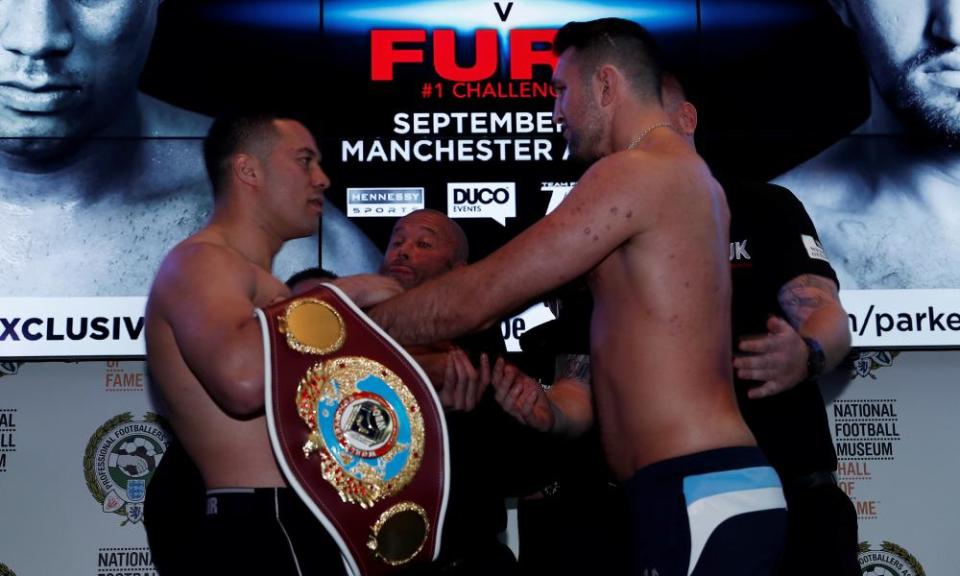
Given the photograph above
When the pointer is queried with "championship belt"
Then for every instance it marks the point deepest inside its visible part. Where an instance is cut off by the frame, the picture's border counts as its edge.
(357, 429)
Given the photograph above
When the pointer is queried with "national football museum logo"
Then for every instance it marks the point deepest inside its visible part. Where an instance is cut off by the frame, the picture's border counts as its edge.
(119, 461)
(888, 560)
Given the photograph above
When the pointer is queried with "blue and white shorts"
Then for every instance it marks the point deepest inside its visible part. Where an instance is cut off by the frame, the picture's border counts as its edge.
(719, 512)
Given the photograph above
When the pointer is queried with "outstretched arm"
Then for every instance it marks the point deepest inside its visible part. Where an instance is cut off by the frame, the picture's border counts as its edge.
(604, 210)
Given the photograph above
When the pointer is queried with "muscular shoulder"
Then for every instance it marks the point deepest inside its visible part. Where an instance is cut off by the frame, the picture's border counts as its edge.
(198, 263)
(651, 176)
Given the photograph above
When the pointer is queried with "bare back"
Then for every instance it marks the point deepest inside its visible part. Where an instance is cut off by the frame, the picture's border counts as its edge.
(204, 284)
(660, 337)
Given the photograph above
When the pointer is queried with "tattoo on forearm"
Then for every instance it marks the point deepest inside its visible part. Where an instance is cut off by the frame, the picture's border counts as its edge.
(576, 366)
(805, 294)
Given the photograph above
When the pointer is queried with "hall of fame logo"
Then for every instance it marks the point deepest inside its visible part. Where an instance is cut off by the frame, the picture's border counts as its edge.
(888, 560)
(6, 571)
(365, 424)
(866, 363)
(119, 461)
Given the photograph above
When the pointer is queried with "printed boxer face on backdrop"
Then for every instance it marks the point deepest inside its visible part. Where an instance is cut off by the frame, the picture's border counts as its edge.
(913, 52)
(68, 66)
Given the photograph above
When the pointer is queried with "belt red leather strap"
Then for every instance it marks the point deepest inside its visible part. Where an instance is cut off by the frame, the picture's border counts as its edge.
(357, 429)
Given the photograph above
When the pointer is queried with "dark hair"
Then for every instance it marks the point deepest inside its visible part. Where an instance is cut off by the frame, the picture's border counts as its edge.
(622, 42)
(230, 134)
(308, 274)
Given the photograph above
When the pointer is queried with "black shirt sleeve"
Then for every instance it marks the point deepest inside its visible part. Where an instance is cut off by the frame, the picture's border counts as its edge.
(786, 243)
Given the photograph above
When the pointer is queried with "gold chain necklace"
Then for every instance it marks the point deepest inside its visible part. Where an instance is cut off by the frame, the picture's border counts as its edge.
(636, 141)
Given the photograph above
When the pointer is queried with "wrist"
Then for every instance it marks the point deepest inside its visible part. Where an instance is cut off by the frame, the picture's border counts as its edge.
(816, 359)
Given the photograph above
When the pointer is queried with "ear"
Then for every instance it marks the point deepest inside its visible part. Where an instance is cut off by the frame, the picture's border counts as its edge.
(687, 118)
(246, 168)
(842, 10)
(611, 82)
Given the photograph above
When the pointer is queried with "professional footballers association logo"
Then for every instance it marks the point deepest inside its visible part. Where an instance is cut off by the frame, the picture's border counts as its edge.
(119, 461)
(888, 560)
(867, 363)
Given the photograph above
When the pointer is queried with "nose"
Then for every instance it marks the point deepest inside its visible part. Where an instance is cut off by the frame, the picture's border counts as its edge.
(401, 251)
(946, 20)
(558, 118)
(35, 28)
(319, 178)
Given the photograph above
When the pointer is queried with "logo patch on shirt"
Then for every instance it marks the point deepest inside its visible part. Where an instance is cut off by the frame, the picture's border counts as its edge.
(738, 251)
(814, 249)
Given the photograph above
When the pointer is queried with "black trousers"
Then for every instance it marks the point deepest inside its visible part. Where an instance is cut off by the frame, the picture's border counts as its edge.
(821, 533)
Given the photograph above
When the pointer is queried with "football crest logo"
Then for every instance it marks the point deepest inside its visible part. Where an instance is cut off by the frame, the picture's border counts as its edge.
(866, 363)
(119, 461)
(888, 560)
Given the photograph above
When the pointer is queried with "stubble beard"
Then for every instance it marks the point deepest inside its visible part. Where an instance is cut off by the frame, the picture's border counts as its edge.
(928, 113)
(586, 145)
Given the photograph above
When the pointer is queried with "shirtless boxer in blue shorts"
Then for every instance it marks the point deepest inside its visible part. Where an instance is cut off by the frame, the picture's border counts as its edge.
(648, 224)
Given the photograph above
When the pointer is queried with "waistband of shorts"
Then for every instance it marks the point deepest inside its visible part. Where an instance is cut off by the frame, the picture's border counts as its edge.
(233, 501)
(716, 460)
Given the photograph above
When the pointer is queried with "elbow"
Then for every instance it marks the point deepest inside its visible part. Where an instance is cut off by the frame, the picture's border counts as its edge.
(245, 401)
(239, 394)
